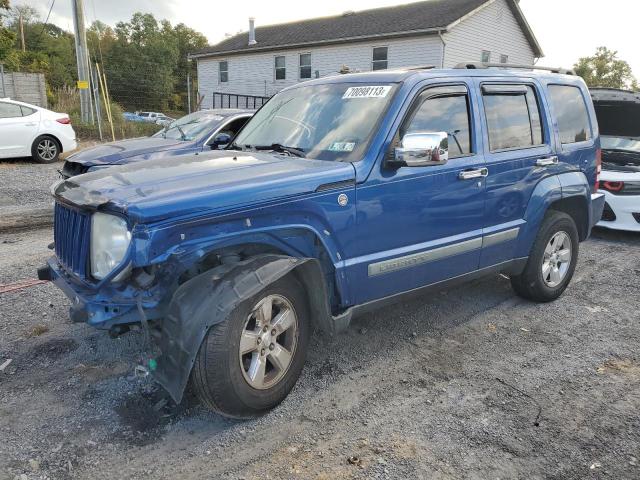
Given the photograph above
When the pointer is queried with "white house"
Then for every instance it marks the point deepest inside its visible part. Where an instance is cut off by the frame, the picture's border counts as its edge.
(442, 33)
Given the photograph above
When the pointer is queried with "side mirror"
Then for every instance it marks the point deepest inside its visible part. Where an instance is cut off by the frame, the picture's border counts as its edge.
(421, 149)
(220, 140)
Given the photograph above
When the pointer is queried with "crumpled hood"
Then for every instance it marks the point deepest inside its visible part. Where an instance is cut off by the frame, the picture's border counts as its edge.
(115, 152)
(200, 184)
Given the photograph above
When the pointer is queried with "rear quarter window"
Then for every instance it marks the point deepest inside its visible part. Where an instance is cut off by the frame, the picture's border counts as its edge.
(571, 113)
(26, 111)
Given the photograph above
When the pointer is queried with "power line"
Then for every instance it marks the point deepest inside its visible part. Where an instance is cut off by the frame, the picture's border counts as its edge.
(44, 25)
(49, 14)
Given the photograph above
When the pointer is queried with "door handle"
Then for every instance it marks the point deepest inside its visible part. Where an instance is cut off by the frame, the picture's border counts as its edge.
(471, 174)
(546, 162)
(30, 124)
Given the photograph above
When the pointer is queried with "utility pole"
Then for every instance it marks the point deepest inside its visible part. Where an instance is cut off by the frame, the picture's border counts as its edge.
(21, 23)
(82, 57)
(188, 88)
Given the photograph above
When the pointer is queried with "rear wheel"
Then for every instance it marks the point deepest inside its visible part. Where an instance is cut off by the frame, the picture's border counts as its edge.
(45, 149)
(249, 363)
(552, 261)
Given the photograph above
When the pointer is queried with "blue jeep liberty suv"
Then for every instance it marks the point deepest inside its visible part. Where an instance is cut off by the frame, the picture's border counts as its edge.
(341, 194)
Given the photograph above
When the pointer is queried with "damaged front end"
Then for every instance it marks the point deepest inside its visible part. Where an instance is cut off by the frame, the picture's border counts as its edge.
(618, 114)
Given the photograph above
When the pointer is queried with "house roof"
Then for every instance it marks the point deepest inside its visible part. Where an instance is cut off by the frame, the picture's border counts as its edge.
(423, 17)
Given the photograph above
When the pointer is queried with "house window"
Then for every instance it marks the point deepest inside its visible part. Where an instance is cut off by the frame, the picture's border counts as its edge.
(504, 58)
(223, 71)
(281, 68)
(305, 65)
(379, 58)
(486, 56)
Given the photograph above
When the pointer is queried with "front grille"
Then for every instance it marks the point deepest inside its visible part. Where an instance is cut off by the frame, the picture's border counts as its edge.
(71, 233)
(631, 188)
(608, 214)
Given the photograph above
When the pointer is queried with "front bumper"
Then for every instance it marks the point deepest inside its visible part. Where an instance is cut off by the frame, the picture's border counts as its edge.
(101, 308)
(623, 207)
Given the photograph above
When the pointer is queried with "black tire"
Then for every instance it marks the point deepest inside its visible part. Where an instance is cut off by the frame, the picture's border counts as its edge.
(530, 284)
(217, 377)
(41, 149)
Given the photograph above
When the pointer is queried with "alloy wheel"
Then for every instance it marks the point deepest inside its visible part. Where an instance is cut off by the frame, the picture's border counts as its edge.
(268, 342)
(47, 149)
(556, 259)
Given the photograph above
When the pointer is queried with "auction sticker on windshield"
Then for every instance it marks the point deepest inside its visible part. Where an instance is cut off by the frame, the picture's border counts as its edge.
(375, 91)
(342, 147)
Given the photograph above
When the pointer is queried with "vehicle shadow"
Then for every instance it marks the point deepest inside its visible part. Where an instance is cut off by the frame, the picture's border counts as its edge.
(609, 235)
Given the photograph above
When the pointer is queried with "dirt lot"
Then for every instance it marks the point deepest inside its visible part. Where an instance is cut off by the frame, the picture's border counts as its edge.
(469, 383)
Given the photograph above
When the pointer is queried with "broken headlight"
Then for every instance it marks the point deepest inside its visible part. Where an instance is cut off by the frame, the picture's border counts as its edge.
(110, 239)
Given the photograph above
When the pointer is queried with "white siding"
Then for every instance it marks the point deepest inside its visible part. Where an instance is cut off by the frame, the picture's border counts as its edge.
(254, 74)
(493, 28)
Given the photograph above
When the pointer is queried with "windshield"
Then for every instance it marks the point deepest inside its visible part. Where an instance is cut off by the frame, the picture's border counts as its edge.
(620, 143)
(327, 122)
(191, 127)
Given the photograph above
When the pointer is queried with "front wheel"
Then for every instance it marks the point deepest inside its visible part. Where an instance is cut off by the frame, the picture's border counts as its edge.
(249, 363)
(552, 261)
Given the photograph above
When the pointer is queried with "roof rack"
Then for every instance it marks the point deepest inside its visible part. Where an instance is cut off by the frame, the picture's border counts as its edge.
(419, 67)
(483, 65)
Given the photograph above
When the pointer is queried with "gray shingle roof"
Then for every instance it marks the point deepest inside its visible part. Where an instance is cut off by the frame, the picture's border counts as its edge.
(388, 21)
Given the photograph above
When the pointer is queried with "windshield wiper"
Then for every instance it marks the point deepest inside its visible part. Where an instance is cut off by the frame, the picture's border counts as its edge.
(277, 147)
(235, 146)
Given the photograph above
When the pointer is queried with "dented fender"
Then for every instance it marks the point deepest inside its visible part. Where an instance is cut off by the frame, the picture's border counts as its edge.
(207, 300)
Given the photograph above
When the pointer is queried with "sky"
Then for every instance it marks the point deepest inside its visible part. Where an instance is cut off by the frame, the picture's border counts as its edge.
(566, 29)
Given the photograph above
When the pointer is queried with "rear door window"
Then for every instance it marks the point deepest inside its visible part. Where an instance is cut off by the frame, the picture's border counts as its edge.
(10, 110)
(513, 116)
(571, 113)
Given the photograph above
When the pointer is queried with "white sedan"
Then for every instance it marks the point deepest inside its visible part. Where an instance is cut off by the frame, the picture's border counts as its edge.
(618, 113)
(30, 131)
(620, 183)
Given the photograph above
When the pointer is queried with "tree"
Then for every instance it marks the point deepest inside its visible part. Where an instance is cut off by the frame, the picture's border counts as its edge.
(7, 37)
(140, 64)
(145, 60)
(49, 49)
(28, 14)
(605, 69)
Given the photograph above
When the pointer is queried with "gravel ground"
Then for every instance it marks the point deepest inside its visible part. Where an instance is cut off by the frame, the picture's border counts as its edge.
(25, 185)
(472, 382)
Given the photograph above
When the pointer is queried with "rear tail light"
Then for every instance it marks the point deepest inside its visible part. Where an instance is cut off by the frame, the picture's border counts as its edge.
(598, 169)
(612, 186)
(64, 120)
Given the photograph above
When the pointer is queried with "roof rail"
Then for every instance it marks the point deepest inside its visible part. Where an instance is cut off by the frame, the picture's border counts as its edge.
(483, 65)
(419, 67)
